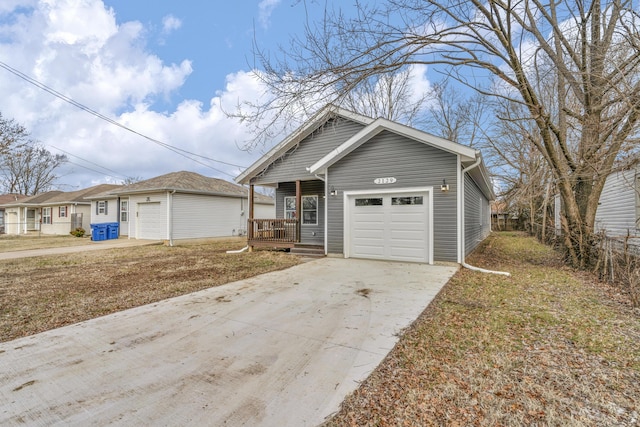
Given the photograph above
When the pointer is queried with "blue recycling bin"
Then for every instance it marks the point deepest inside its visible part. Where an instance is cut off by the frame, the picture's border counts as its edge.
(112, 230)
(98, 232)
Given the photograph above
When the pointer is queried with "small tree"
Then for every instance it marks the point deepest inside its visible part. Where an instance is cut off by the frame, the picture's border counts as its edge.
(30, 169)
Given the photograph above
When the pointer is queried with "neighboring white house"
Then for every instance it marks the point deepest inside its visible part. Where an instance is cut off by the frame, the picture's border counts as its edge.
(618, 213)
(53, 212)
(178, 205)
(7, 198)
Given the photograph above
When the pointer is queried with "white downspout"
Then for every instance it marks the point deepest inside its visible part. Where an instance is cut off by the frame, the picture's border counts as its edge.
(462, 233)
(246, 218)
(170, 216)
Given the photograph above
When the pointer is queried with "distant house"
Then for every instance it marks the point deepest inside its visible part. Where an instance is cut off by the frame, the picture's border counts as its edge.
(618, 213)
(372, 188)
(7, 198)
(178, 205)
(53, 212)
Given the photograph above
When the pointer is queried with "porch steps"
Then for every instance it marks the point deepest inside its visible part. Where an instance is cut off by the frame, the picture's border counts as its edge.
(307, 250)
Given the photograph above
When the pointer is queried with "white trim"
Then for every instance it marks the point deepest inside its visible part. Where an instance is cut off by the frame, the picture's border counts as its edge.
(460, 211)
(326, 212)
(380, 125)
(301, 208)
(346, 236)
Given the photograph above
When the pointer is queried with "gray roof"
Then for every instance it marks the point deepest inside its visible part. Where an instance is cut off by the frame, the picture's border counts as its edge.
(51, 198)
(186, 182)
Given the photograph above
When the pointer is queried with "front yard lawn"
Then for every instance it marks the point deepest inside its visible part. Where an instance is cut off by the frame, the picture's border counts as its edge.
(37, 294)
(546, 347)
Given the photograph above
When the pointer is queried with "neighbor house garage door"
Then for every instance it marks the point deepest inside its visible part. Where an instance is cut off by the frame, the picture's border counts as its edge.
(150, 221)
(389, 226)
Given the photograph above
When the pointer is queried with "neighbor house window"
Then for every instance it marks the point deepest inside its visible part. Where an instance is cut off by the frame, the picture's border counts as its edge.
(46, 215)
(124, 211)
(62, 211)
(101, 207)
(309, 209)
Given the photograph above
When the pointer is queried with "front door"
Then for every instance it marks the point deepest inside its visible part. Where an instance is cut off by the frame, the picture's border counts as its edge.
(31, 219)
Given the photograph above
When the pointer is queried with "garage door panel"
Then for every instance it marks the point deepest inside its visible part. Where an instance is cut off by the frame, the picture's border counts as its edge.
(387, 230)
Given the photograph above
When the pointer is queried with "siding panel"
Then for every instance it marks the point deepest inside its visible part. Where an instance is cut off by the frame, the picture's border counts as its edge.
(617, 211)
(292, 166)
(476, 218)
(413, 164)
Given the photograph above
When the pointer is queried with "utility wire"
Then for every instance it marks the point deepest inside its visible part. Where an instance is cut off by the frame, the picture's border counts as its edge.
(117, 174)
(71, 101)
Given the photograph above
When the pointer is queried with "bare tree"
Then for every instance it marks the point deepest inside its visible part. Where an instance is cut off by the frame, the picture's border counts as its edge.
(391, 96)
(12, 136)
(454, 115)
(588, 49)
(29, 169)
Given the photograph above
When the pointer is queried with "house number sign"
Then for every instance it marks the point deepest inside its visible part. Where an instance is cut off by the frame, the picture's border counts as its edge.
(387, 180)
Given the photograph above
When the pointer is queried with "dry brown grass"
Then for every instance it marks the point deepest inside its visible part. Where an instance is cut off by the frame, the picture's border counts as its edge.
(37, 294)
(10, 243)
(545, 347)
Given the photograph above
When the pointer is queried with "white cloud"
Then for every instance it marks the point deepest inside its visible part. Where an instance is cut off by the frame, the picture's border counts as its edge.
(266, 8)
(105, 66)
(170, 23)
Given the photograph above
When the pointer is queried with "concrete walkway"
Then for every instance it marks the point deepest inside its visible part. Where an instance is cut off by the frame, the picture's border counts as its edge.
(94, 246)
(280, 349)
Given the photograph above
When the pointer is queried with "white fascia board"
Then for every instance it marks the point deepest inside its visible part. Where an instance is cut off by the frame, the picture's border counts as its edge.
(377, 126)
(298, 135)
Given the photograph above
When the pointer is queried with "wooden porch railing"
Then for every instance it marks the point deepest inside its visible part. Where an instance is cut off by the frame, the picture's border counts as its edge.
(273, 230)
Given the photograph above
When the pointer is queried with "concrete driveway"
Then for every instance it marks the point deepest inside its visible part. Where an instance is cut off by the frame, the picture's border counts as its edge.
(281, 349)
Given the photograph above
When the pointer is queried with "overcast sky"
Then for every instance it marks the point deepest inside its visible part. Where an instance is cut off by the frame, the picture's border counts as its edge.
(161, 68)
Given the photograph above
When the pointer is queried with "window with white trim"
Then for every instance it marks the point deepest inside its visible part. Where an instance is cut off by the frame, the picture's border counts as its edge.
(46, 215)
(309, 209)
(101, 207)
(124, 210)
(62, 211)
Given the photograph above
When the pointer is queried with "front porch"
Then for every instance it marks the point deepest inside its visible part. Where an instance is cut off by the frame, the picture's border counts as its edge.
(276, 232)
(299, 218)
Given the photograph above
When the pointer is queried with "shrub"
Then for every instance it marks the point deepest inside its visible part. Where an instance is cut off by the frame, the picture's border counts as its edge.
(78, 232)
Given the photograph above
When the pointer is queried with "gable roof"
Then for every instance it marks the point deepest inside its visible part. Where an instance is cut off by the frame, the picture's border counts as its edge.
(186, 182)
(11, 197)
(467, 154)
(51, 198)
(306, 129)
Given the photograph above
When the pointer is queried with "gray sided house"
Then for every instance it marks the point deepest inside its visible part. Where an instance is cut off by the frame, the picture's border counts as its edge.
(178, 205)
(372, 188)
(618, 213)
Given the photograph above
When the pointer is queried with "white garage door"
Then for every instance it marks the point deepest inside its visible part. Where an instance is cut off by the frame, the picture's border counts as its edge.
(389, 226)
(150, 221)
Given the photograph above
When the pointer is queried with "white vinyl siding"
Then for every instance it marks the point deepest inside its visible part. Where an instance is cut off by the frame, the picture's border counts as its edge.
(618, 210)
(197, 216)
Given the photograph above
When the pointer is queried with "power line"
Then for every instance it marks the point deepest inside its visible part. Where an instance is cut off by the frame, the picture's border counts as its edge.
(117, 174)
(83, 107)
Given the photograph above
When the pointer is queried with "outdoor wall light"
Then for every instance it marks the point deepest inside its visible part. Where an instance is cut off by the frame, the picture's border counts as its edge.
(444, 187)
(333, 191)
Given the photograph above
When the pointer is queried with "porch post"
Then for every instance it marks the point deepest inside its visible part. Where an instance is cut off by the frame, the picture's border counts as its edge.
(298, 209)
(250, 219)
